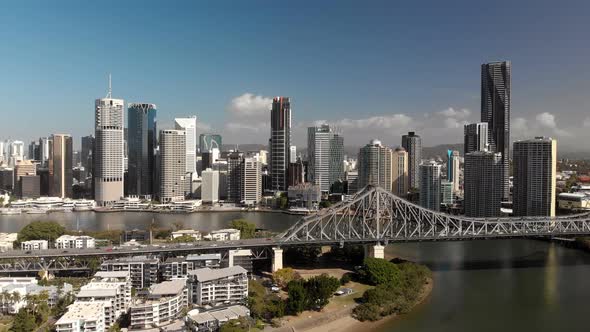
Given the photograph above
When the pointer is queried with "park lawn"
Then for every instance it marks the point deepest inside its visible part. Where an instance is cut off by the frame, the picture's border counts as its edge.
(359, 290)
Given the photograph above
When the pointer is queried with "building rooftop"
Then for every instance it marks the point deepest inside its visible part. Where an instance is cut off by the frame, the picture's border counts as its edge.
(133, 259)
(220, 315)
(196, 257)
(226, 230)
(207, 274)
(171, 287)
(83, 311)
(112, 274)
(186, 231)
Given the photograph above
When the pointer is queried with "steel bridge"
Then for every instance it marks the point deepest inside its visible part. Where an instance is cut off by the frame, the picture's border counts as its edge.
(372, 216)
(376, 215)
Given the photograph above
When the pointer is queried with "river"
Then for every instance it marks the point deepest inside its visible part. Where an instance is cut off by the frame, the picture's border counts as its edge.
(486, 285)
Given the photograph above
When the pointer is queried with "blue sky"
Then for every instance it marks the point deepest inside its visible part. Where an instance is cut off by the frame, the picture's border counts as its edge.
(372, 68)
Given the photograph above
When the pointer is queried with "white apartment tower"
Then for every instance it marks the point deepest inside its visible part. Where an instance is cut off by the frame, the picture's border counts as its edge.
(210, 186)
(189, 125)
(430, 185)
(172, 165)
(109, 123)
(251, 181)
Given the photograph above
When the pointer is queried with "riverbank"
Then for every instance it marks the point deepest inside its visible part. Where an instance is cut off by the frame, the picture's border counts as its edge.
(336, 317)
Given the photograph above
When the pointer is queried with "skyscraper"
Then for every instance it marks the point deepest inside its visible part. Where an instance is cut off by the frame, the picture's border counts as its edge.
(483, 174)
(430, 185)
(453, 169)
(60, 166)
(251, 190)
(399, 172)
(86, 157)
(535, 164)
(44, 147)
(172, 167)
(141, 145)
(413, 145)
(189, 125)
(234, 176)
(495, 111)
(207, 142)
(210, 186)
(109, 149)
(280, 142)
(476, 137)
(374, 165)
(325, 149)
(22, 168)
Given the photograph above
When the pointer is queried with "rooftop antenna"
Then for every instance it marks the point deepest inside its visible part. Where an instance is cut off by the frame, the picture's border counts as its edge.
(110, 93)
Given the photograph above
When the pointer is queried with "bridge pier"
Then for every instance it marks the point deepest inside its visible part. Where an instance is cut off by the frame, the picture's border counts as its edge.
(376, 251)
(277, 259)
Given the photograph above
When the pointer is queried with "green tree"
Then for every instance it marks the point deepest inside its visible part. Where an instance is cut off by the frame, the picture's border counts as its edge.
(241, 324)
(319, 290)
(41, 230)
(284, 276)
(297, 301)
(246, 228)
(378, 271)
(325, 204)
(24, 321)
(262, 305)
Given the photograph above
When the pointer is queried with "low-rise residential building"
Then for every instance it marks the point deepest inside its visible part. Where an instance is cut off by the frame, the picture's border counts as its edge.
(178, 267)
(34, 245)
(163, 305)
(187, 232)
(209, 287)
(228, 234)
(143, 269)
(213, 320)
(113, 287)
(84, 317)
(7, 241)
(74, 242)
(16, 289)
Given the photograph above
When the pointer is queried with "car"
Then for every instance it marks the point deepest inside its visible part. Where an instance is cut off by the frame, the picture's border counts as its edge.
(28, 252)
(275, 289)
(65, 251)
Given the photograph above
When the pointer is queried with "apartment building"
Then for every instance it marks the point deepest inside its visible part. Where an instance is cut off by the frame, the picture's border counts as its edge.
(74, 242)
(83, 317)
(209, 287)
(34, 245)
(143, 270)
(163, 305)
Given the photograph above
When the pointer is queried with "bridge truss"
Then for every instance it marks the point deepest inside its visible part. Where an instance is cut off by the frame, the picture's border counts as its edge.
(376, 215)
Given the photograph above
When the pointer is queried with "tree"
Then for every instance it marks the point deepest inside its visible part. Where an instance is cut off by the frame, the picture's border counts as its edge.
(325, 204)
(320, 289)
(284, 276)
(297, 301)
(241, 324)
(41, 230)
(24, 321)
(378, 271)
(345, 279)
(247, 229)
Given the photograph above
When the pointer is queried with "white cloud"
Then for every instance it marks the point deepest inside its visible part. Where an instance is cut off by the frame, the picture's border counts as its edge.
(546, 119)
(248, 105)
(457, 114)
(375, 122)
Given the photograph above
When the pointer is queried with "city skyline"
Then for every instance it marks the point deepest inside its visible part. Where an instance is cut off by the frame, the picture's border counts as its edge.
(435, 86)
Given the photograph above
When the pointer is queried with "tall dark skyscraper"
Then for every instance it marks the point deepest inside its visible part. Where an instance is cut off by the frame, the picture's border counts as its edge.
(60, 166)
(280, 142)
(495, 110)
(413, 145)
(86, 153)
(141, 142)
(476, 137)
(483, 184)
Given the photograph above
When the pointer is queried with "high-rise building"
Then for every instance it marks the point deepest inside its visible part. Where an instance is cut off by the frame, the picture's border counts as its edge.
(22, 168)
(413, 145)
(251, 189)
(399, 172)
(352, 182)
(296, 172)
(292, 153)
(280, 142)
(234, 176)
(430, 185)
(453, 169)
(87, 147)
(60, 166)
(446, 193)
(325, 149)
(209, 141)
(495, 111)
(374, 165)
(33, 150)
(534, 188)
(141, 145)
(189, 125)
(45, 150)
(172, 167)
(109, 149)
(17, 150)
(210, 186)
(476, 137)
(482, 187)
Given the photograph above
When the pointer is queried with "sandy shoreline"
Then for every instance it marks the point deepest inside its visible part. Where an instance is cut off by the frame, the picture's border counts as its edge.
(342, 320)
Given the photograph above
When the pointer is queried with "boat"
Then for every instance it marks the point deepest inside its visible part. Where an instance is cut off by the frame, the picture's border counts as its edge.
(9, 211)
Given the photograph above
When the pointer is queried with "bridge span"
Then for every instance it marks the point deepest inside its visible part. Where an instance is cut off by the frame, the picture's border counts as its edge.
(373, 217)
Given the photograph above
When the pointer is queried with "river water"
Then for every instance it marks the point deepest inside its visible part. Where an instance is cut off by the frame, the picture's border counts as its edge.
(486, 285)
